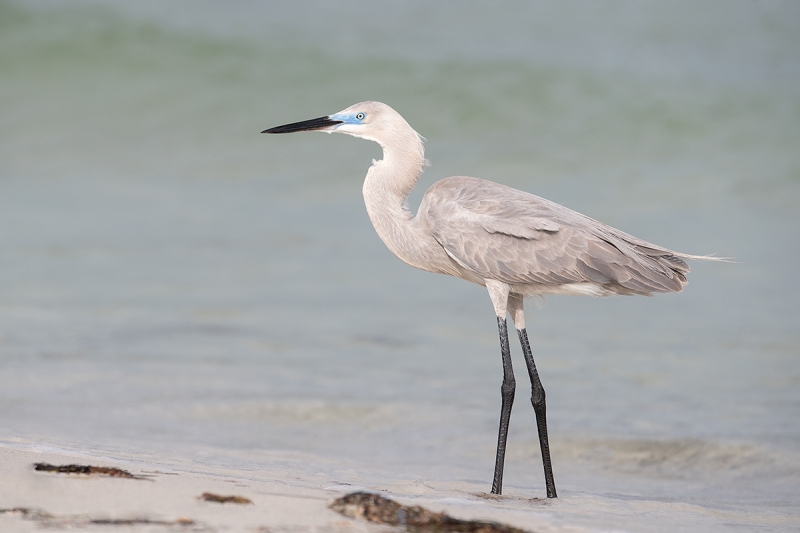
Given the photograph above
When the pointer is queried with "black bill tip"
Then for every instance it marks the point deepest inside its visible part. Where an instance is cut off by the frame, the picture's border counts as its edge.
(306, 125)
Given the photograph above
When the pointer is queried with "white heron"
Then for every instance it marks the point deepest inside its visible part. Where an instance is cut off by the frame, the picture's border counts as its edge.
(513, 243)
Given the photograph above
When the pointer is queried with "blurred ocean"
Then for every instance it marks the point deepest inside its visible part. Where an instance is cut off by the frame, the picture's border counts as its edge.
(174, 283)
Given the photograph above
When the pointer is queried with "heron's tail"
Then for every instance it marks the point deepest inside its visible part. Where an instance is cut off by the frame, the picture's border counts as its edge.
(710, 257)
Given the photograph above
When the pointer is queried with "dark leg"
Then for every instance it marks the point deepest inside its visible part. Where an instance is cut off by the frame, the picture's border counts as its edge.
(537, 399)
(507, 391)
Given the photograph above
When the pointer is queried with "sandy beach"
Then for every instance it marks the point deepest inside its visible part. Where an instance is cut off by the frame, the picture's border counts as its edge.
(169, 496)
(163, 495)
(166, 495)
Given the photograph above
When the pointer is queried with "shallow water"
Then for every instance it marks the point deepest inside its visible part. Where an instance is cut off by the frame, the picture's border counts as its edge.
(175, 283)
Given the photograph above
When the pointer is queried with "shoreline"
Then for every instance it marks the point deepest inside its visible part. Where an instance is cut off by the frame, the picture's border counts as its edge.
(161, 496)
(171, 493)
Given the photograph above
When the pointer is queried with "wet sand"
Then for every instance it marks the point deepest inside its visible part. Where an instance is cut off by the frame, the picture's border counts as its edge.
(165, 499)
(166, 494)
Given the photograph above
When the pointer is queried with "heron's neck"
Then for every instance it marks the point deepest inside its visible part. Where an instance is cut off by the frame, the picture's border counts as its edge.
(386, 189)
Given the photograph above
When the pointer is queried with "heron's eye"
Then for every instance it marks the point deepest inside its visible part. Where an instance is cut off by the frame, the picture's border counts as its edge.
(360, 116)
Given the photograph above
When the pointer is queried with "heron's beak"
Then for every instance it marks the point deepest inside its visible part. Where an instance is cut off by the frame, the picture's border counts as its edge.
(321, 123)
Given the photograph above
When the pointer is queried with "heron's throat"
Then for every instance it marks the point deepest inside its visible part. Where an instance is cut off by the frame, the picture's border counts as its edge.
(390, 180)
(386, 189)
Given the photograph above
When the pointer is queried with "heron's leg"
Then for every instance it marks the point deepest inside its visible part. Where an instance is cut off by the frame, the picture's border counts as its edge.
(537, 391)
(507, 393)
(537, 399)
(498, 292)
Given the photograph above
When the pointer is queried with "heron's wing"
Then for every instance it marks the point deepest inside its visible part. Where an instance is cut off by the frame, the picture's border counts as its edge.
(518, 238)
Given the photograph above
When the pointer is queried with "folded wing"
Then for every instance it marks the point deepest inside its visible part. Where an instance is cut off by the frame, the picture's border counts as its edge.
(511, 236)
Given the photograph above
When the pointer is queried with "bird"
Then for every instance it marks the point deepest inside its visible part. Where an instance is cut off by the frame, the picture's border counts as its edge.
(512, 242)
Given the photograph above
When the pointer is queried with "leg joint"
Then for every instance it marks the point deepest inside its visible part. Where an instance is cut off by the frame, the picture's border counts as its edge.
(508, 387)
(538, 396)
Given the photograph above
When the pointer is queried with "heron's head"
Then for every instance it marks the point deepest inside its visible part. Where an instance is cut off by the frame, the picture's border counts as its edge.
(374, 121)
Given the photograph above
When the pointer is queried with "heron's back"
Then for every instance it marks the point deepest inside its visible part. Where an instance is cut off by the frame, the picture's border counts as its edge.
(538, 246)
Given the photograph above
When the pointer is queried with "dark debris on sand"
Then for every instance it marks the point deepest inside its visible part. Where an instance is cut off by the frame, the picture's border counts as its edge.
(69, 521)
(84, 469)
(218, 498)
(376, 508)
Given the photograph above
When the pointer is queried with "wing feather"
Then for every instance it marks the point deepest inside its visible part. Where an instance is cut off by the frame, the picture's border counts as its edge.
(518, 238)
